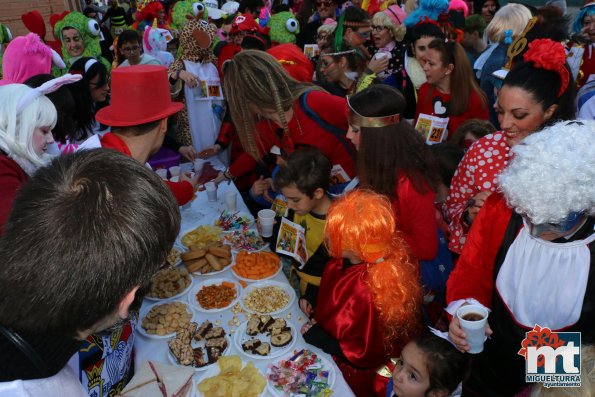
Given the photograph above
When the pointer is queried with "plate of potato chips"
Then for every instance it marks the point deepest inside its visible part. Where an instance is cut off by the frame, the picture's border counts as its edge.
(201, 236)
(230, 377)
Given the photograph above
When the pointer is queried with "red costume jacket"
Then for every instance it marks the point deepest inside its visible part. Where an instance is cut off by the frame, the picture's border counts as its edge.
(348, 326)
(12, 177)
(307, 132)
(435, 103)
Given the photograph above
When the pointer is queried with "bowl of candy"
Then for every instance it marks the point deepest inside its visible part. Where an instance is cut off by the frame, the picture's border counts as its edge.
(302, 373)
(245, 241)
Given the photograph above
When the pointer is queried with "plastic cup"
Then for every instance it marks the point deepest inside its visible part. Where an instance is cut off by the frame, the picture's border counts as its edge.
(162, 172)
(174, 171)
(230, 198)
(473, 319)
(266, 219)
(175, 178)
(211, 188)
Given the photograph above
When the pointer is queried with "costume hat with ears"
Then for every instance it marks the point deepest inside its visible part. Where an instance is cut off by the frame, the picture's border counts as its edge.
(140, 94)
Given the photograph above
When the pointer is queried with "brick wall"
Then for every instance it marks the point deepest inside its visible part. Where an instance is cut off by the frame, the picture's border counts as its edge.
(11, 11)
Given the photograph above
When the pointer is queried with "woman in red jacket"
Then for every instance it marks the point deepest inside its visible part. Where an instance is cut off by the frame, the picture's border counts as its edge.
(269, 108)
(394, 160)
(450, 90)
(26, 122)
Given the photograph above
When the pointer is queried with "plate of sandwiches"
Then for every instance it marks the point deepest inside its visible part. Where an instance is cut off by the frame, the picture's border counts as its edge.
(155, 379)
(265, 337)
(198, 346)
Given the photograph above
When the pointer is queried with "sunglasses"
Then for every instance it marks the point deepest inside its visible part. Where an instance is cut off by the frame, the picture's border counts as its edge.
(378, 28)
(321, 36)
(324, 3)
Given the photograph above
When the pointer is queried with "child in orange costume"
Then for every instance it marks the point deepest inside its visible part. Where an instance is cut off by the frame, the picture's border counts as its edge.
(370, 294)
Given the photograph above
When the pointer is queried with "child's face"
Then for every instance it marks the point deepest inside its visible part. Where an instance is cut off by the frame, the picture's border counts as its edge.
(300, 202)
(410, 376)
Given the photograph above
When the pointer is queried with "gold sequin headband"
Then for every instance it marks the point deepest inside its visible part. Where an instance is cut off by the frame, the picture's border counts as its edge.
(370, 122)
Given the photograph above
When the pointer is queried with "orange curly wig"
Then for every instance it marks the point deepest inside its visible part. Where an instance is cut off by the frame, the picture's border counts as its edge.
(363, 222)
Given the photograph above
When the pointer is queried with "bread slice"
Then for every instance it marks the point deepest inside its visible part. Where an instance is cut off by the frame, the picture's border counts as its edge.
(173, 378)
(143, 376)
(150, 389)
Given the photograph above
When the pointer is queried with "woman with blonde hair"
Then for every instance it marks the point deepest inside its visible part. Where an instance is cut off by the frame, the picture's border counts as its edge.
(508, 23)
(268, 107)
(450, 91)
(388, 32)
(26, 122)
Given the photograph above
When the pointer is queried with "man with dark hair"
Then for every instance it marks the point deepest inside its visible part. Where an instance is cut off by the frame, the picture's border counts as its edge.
(83, 240)
(140, 106)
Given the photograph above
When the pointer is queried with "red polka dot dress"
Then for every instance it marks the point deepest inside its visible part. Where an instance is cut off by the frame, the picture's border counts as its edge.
(476, 173)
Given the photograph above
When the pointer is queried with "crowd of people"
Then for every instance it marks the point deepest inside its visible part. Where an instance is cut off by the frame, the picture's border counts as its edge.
(436, 154)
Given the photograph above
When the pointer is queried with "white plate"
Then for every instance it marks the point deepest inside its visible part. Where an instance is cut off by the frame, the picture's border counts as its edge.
(186, 231)
(269, 283)
(143, 312)
(326, 365)
(178, 295)
(214, 370)
(240, 336)
(193, 300)
(241, 214)
(180, 249)
(172, 359)
(228, 238)
(250, 280)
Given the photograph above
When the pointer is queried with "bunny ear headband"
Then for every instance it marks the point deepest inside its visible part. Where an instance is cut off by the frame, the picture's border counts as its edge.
(46, 88)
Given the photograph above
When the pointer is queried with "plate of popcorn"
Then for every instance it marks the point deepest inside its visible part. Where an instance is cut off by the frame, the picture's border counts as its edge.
(169, 283)
(267, 297)
(162, 320)
(265, 337)
(198, 345)
(214, 295)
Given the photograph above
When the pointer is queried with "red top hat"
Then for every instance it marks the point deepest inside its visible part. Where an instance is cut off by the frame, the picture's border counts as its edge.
(140, 94)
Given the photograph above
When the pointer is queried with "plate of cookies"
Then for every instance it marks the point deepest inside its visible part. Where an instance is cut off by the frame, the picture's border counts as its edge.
(169, 283)
(162, 320)
(198, 345)
(265, 337)
(213, 258)
(214, 295)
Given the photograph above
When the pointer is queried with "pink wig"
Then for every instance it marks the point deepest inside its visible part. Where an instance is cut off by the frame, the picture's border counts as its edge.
(25, 56)
(459, 5)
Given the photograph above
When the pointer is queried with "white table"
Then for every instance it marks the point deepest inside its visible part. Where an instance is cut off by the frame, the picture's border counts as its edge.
(202, 211)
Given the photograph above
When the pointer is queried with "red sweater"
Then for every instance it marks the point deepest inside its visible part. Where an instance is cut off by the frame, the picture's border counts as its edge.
(182, 191)
(416, 219)
(12, 177)
(435, 103)
(305, 132)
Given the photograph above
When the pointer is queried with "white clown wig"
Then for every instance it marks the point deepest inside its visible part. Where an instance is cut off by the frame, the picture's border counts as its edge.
(16, 130)
(553, 173)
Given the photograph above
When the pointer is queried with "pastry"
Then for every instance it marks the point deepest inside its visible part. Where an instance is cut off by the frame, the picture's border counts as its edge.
(282, 339)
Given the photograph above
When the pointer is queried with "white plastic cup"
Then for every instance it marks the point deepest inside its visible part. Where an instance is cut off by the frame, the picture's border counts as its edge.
(473, 320)
(174, 171)
(162, 172)
(231, 200)
(211, 188)
(267, 220)
(175, 178)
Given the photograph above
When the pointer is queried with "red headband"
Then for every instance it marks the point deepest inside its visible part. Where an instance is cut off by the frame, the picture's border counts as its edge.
(549, 55)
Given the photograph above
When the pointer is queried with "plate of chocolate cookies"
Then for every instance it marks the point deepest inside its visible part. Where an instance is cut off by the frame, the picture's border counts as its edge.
(265, 337)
